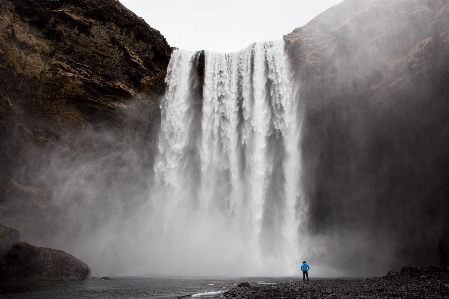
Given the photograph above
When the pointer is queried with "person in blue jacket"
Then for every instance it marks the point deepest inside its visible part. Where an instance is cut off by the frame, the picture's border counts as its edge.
(305, 271)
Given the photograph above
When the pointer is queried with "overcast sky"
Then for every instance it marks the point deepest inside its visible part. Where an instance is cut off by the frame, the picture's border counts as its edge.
(225, 26)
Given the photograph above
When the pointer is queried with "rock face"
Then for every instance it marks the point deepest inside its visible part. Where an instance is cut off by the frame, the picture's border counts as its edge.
(25, 262)
(81, 59)
(374, 77)
(8, 237)
(79, 80)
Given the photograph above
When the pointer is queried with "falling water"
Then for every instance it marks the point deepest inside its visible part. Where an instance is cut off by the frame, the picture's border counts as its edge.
(227, 195)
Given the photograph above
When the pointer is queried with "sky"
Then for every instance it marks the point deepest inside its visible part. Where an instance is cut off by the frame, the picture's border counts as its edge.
(225, 26)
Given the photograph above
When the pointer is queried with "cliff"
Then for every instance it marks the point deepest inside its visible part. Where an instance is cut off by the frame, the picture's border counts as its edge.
(71, 71)
(374, 76)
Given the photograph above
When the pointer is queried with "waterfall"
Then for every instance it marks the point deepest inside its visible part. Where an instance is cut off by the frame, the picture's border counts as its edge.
(227, 195)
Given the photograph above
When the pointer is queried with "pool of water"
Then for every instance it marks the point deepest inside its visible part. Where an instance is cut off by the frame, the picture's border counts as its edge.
(128, 287)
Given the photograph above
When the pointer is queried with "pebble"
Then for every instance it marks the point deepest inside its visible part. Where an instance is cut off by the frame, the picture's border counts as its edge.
(435, 285)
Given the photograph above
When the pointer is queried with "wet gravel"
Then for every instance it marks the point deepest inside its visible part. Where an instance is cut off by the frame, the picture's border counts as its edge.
(410, 283)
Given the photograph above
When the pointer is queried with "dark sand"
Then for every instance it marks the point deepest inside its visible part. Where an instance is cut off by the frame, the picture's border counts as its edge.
(432, 282)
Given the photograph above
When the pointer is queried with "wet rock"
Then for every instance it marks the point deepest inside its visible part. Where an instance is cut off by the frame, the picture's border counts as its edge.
(411, 272)
(24, 262)
(392, 274)
(244, 284)
(8, 237)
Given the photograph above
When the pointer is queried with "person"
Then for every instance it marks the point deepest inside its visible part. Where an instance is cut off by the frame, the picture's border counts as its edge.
(305, 271)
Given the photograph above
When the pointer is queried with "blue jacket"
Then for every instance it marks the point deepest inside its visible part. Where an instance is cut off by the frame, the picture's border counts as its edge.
(305, 267)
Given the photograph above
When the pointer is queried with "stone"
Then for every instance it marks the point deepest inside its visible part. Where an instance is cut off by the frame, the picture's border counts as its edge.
(410, 271)
(8, 237)
(25, 262)
(244, 284)
(435, 269)
(392, 274)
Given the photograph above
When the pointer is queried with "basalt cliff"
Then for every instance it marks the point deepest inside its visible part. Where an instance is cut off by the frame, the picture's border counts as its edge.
(69, 69)
(80, 88)
(374, 76)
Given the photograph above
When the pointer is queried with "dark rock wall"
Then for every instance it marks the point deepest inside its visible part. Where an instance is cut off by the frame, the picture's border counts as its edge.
(80, 83)
(375, 79)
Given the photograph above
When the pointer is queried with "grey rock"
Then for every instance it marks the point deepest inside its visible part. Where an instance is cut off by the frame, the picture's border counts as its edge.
(24, 262)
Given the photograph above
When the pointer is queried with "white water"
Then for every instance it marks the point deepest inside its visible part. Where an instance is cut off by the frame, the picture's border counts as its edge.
(227, 195)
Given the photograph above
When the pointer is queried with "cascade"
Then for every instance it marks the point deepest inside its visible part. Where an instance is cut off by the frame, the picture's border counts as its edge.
(227, 194)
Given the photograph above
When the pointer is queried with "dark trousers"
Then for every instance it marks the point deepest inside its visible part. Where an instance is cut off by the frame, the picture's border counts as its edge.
(304, 275)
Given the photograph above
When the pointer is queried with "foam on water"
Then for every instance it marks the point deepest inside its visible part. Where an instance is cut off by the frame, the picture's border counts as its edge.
(207, 294)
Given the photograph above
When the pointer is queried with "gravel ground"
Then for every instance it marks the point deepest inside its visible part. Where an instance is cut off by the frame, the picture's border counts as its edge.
(432, 282)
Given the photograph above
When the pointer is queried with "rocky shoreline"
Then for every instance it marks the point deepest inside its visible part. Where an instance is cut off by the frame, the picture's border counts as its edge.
(432, 282)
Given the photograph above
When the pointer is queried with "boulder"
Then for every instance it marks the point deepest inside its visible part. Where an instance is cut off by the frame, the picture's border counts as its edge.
(8, 237)
(24, 262)
(411, 271)
(391, 274)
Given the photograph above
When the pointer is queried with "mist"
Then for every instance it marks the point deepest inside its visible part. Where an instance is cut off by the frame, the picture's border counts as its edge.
(213, 191)
(330, 146)
(374, 78)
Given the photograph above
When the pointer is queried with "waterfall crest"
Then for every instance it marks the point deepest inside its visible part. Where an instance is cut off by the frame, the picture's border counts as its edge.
(227, 195)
